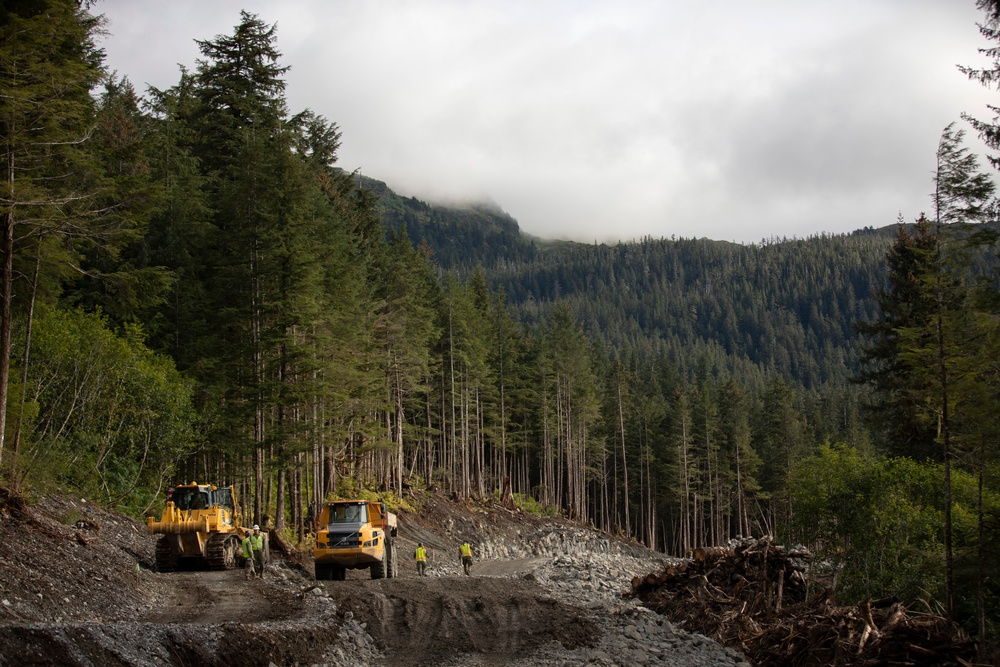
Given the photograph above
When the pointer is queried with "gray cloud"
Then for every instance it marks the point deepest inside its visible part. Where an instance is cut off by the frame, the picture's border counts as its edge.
(603, 121)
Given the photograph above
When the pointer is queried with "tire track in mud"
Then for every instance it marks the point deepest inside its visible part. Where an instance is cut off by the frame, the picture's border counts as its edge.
(222, 597)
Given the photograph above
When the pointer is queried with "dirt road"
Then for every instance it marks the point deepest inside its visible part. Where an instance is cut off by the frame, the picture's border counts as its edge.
(222, 597)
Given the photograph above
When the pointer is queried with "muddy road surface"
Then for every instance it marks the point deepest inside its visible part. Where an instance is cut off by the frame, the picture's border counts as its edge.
(220, 597)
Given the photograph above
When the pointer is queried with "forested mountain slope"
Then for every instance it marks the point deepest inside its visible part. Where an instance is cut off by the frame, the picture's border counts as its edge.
(459, 236)
(780, 307)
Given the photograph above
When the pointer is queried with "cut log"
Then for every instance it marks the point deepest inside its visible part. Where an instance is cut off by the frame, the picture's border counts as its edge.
(702, 554)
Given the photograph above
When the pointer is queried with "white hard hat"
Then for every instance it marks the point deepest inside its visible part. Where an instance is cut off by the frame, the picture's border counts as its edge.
(256, 527)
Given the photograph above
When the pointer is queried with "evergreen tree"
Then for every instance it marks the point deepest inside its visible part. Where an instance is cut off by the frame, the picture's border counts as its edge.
(895, 413)
(405, 329)
(937, 349)
(116, 278)
(780, 440)
(572, 386)
(741, 460)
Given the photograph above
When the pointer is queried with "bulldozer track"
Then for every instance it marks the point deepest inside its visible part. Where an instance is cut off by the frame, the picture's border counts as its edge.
(166, 561)
(220, 551)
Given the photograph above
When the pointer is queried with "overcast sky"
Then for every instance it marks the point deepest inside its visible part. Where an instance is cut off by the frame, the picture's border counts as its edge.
(599, 121)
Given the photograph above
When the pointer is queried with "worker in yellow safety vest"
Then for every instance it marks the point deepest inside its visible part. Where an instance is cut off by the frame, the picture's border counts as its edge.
(466, 552)
(421, 555)
(248, 555)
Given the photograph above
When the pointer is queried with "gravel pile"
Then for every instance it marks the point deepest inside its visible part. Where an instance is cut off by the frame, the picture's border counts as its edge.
(585, 568)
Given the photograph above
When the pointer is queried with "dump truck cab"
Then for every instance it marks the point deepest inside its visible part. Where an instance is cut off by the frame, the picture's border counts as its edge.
(355, 534)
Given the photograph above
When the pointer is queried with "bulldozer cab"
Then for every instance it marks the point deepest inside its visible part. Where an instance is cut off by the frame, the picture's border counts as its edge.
(224, 498)
(192, 498)
(203, 497)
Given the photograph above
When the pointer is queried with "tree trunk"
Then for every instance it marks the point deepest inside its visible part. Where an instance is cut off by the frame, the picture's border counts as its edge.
(15, 446)
(981, 555)
(279, 502)
(621, 426)
(6, 281)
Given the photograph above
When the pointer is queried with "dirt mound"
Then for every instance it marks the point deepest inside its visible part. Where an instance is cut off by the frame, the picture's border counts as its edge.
(444, 523)
(221, 597)
(421, 621)
(66, 559)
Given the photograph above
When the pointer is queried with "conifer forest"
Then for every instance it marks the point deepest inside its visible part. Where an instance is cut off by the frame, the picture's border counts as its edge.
(193, 290)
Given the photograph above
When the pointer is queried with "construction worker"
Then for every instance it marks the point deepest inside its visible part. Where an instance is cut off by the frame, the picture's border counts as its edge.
(421, 555)
(466, 553)
(248, 555)
(257, 546)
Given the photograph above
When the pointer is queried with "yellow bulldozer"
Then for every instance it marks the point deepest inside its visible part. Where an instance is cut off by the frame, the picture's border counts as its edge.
(201, 528)
(355, 534)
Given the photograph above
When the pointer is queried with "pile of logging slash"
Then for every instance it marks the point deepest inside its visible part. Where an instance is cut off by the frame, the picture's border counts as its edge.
(754, 595)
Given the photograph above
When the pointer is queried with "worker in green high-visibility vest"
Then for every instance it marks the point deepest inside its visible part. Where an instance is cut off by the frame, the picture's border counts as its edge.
(466, 552)
(248, 555)
(257, 547)
(421, 556)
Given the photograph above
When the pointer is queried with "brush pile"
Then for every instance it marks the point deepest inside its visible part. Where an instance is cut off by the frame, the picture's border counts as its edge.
(754, 596)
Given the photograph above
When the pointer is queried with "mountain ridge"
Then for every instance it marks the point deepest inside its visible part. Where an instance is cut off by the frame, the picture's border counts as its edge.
(784, 307)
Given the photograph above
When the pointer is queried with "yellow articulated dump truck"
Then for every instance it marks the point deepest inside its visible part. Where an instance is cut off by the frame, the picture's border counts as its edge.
(355, 534)
(200, 528)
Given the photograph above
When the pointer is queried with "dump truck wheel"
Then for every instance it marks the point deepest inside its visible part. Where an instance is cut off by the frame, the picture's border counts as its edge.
(339, 573)
(390, 557)
(166, 561)
(379, 569)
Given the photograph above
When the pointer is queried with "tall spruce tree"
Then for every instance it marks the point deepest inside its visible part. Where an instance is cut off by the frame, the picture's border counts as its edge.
(405, 328)
(780, 441)
(743, 462)
(894, 412)
(937, 349)
(179, 229)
